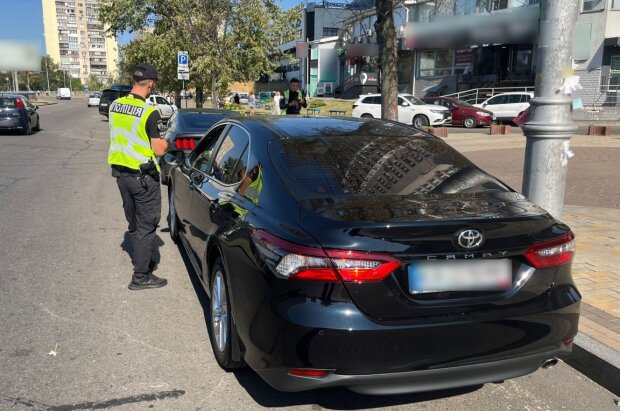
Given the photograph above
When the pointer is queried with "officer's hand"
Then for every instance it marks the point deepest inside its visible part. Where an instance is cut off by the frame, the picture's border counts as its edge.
(159, 146)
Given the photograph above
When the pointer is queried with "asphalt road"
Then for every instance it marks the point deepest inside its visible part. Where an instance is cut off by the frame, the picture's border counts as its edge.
(72, 336)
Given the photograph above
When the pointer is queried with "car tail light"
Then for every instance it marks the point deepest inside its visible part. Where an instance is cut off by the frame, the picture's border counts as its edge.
(293, 261)
(185, 143)
(19, 103)
(552, 253)
(308, 373)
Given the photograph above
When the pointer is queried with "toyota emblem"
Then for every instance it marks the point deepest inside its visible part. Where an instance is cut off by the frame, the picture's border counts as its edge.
(469, 238)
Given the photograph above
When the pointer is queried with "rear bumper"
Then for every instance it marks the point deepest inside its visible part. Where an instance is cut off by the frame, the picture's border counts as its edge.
(417, 381)
(425, 353)
(12, 124)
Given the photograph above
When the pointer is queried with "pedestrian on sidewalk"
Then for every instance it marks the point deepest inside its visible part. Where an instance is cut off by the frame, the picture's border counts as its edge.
(135, 144)
(252, 103)
(237, 99)
(276, 103)
(294, 98)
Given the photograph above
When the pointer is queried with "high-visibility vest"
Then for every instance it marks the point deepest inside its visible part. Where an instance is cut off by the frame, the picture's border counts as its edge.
(254, 189)
(130, 146)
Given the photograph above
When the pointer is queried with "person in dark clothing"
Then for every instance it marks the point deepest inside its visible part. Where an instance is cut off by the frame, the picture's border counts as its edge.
(237, 99)
(294, 98)
(135, 144)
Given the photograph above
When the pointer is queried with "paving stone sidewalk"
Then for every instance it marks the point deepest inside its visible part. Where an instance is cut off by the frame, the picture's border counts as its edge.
(591, 209)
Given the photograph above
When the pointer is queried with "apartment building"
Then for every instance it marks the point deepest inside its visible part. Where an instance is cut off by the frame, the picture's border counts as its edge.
(75, 39)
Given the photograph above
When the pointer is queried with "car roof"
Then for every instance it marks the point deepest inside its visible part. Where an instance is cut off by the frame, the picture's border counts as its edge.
(293, 127)
(207, 110)
(513, 92)
(12, 95)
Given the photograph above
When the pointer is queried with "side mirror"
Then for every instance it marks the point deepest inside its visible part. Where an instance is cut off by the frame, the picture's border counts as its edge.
(484, 105)
(404, 104)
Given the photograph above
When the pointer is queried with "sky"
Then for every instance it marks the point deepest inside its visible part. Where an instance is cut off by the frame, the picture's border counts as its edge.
(22, 20)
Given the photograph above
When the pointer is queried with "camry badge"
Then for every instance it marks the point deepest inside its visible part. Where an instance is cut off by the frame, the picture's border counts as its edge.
(469, 238)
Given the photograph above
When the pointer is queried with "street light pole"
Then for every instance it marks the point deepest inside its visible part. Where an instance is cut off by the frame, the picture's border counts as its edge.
(550, 124)
(47, 75)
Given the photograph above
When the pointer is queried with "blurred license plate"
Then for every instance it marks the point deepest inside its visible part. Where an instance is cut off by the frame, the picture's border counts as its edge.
(460, 275)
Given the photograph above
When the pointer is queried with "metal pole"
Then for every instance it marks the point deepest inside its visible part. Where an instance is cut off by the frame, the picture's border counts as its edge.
(64, 78)
(550, 124)
(184, 95)
(47, 75)
(415, 55)
(15, 81)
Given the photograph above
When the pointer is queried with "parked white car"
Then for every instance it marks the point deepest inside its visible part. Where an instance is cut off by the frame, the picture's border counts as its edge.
(93, 99)
(506, 106)
(243, 97)
(166, 110)
(411, 110)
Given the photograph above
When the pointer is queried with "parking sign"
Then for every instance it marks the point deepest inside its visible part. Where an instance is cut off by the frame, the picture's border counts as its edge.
(182, 61)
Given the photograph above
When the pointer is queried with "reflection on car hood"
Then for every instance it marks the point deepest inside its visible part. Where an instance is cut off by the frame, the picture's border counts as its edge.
(488, 205)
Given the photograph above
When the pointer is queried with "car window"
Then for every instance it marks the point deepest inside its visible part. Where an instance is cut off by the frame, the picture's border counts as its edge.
(368, 100)
(376, 100)
(201, 156)
(231, 152)
(514, 98)
(499, 100)
(201, 121)
(161, 100)
(525, 98)
(367, 165)
(8, 102)
(401, 101)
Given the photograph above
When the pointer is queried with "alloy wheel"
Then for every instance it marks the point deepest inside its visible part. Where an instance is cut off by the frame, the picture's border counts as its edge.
(219, 311)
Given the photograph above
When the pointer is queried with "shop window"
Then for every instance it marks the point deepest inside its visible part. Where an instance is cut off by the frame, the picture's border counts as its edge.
(615, 4)
(593, 5)
(435, 63)
(522, 61)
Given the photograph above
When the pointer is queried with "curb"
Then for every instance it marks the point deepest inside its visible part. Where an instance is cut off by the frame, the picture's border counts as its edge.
(596, 361)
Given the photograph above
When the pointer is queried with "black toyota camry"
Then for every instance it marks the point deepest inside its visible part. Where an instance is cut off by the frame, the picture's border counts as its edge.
(370, 255)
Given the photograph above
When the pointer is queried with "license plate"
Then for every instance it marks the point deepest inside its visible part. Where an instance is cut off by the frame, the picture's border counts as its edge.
(460, 275)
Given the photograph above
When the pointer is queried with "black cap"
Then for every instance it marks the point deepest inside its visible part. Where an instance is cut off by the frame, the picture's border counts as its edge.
(144, 71)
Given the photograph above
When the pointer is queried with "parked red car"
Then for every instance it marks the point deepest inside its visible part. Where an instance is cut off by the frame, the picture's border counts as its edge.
(462, 112)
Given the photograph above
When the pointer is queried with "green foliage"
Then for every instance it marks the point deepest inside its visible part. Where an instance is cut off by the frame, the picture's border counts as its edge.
(234, 107)
(227, 40)
(314, 103)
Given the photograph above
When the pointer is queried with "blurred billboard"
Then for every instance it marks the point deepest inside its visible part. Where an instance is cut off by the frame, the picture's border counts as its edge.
(19, 56)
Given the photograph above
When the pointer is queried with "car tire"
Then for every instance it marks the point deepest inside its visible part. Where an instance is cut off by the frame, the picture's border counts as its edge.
(469, 122)
(420, 121)
(366, 115)
(28, 130)
(221, 326)
(38, 126)
(173, 219)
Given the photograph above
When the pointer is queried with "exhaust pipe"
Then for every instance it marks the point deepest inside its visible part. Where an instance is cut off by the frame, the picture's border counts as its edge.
(549, 363)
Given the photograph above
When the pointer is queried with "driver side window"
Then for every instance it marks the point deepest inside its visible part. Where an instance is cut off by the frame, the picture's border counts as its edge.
(201, 156)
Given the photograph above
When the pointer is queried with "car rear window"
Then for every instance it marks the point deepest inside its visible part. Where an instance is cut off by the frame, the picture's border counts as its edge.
(199, 122)
(8, 102)
(413, 165)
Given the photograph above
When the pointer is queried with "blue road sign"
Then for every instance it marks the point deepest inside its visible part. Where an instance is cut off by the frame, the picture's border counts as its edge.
(182, 59)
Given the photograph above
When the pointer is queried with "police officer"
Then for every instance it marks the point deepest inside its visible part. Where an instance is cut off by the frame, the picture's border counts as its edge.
(293, 99)
(135, 141)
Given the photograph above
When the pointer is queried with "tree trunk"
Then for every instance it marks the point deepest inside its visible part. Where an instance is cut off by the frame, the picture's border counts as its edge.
(214, 92)
(388, 58)
(199, 95)
(177, 97)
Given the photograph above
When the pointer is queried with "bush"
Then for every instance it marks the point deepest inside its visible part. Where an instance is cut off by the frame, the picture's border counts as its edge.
(316, 103)
(234, 107)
